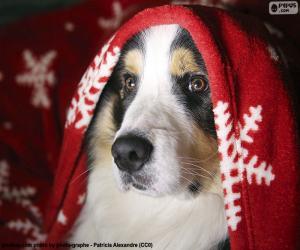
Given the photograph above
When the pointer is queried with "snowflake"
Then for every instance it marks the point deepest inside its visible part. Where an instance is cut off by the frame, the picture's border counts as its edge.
(61, 218)
(90, 86)
(7, 125)
(69, 26)
(1, 76)
(26, 227)
(235, 159)
(81, 199)
(38, 76)
(114, 22)
(21, 196)
(273, 53)
(274, 31)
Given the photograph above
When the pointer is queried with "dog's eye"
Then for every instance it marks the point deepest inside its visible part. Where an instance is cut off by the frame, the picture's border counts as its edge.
(197, 83)
(130, 82)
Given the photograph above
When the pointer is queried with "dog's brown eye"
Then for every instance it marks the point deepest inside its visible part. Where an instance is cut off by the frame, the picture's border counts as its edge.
(197, 84)
(130, 83)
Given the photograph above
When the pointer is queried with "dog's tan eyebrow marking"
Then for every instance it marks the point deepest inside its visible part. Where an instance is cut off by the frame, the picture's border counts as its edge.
(133, 61)
(183, 61)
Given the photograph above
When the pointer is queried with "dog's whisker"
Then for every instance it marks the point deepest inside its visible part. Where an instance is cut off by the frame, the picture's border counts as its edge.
(199, 167)
(192, 159)
(196, 170)
(193, 174)
(196, 174)
(80, 175)
(195, 159)
(187, 157)
(204, 188)
(188, 181)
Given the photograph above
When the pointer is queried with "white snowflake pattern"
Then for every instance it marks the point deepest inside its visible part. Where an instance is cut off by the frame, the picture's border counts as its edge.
(21, 196)
(26, 227)
(81, 199)
(69, 26)
(90, 87)
(235, 158)
(273, 53)
(116, 20)
(1, 76)
(7, 125)
(38, 76)
(273, 31)
(61, 218)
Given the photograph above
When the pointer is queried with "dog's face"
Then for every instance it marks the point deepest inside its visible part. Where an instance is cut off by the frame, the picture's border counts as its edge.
(154, 120)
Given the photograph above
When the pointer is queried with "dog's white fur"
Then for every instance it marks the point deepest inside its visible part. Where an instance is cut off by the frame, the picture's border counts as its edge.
(167, 222)
(162, 214)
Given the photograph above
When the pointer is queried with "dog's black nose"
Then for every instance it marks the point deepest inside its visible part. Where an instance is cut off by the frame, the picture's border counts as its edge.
(131, 152)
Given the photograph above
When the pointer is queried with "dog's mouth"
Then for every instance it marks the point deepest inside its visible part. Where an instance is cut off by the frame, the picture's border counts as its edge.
(139, 186)
(144, 184)
(138, 181)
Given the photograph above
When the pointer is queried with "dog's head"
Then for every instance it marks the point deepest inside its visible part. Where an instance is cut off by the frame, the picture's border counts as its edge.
(154, 120)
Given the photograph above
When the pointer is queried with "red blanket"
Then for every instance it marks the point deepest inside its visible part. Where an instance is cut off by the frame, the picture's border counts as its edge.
(41, 196)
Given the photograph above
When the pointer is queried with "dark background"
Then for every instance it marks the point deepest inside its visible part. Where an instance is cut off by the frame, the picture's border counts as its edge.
(11, 10)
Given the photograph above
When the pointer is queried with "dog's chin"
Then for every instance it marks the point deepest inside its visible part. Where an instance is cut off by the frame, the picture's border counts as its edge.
(141, 183)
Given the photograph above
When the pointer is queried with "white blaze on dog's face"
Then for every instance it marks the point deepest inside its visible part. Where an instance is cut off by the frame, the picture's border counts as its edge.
(156, 117)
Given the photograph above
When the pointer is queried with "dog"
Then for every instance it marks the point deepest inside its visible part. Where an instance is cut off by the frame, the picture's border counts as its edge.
(152, 150)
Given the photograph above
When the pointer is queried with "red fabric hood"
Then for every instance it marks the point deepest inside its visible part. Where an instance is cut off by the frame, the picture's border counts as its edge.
(253, 116)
